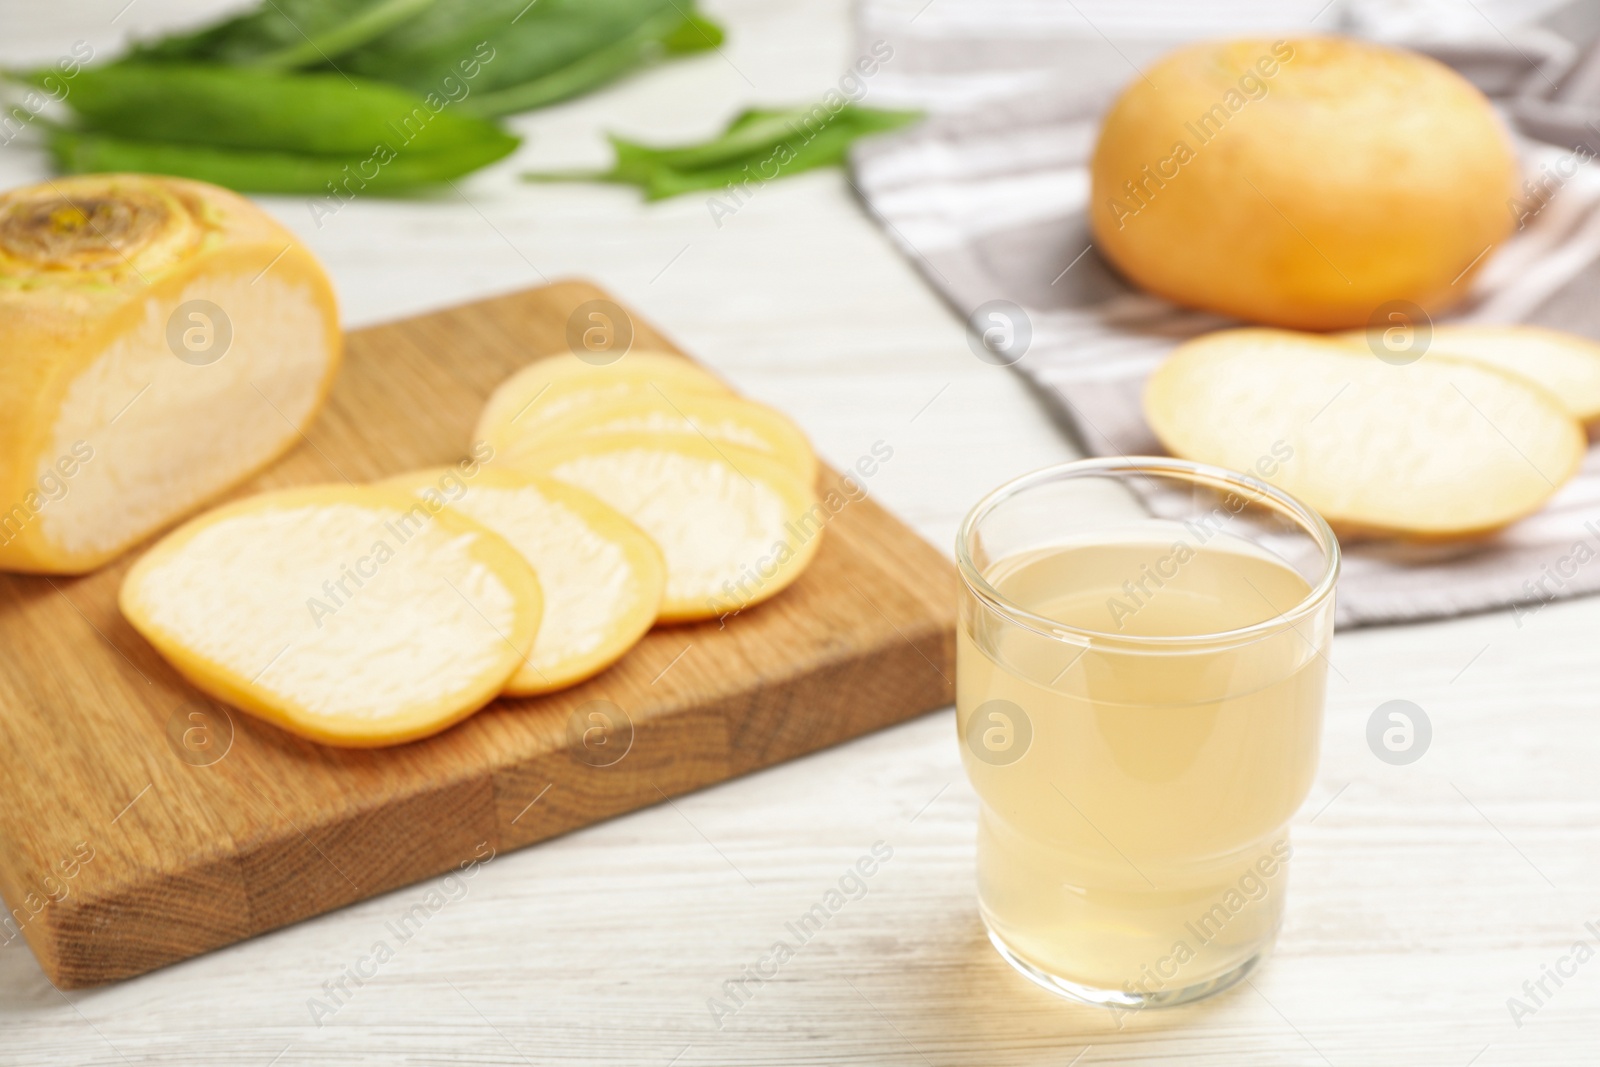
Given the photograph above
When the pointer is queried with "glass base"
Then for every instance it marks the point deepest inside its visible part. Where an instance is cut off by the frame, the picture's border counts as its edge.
(1121, 1000)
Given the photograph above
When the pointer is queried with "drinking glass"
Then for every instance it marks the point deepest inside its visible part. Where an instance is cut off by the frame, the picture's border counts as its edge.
(1141, 664)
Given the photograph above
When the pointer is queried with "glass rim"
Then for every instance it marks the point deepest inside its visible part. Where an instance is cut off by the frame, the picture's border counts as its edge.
(1121, 467)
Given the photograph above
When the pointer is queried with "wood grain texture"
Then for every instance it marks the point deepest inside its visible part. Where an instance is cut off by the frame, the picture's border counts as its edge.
(279, 829)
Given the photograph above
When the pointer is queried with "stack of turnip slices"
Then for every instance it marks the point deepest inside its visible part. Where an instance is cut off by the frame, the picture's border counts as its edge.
(1416, 434)
(598, 501)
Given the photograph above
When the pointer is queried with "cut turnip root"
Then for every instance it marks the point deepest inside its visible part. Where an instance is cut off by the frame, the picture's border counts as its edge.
(350, 615)
(163, 340)
(602, 577)
(735, 526)
(719, 419)
(1564, 363)
(1438, 448)
(551, 388)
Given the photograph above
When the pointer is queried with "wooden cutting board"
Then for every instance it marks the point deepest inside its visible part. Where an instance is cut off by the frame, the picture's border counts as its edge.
(141, 824)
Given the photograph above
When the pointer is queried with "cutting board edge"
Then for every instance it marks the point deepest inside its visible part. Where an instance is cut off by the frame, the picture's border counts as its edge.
(62, 950)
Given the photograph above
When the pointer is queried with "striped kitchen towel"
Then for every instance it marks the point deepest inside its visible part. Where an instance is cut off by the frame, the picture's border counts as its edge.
(988, 196)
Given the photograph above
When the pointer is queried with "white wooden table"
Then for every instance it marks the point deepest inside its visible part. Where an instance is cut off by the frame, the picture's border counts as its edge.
(1422, 897)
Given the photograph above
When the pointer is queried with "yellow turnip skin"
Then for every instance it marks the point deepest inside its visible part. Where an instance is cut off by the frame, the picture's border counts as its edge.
(86, 263)
(1301, 183)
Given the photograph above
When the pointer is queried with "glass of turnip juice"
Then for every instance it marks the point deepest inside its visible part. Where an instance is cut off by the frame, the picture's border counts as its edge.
(1141, 662)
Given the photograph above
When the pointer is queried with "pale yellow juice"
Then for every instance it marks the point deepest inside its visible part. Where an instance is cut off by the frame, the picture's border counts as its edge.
(1137, 841)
